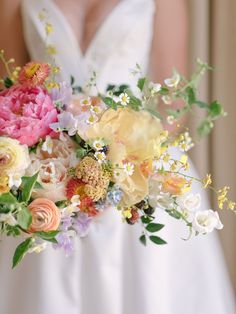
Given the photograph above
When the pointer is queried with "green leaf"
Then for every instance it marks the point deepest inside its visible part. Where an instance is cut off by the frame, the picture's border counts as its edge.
(154, 113)
(20, 251)
(204, 128)
(7, 198)
(38, 186)
(72, 80)
(48, 236)
(24, 218)
(110, 102)
(143, 239)
(157, 240)
(141, 83)
(153, 227)
(81, 152)
(146, 219)
(215, 109)
(13, 231)
(201, 104)
(7, 82)
(191, 96)
(62, 204)
(164, 91)
(174, 213)
(28, 184)
(135, 103)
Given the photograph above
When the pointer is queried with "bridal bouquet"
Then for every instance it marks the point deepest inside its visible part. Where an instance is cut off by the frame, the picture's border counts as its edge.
(67, 155)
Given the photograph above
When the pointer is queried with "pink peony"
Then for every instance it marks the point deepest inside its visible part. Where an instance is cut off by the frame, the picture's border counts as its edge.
(26, 114)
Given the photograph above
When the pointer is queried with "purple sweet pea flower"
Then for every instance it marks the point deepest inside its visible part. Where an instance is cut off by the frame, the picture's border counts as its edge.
(62, 95)
(65, 240)
(82, 224)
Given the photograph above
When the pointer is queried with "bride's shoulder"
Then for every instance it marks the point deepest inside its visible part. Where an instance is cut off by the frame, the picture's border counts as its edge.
(11, 36)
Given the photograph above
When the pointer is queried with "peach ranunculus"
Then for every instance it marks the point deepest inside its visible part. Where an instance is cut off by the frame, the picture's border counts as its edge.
(173, 184)
(132, 136)
(45, 215)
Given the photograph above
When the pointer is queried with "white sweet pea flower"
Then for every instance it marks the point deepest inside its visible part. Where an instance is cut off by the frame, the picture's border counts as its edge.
(66, 122)
(48, 145)
(14, 180)
(157, 198)
(190, 202)
(124, 99)
(8, 218)
(173, 81)
(206, 221)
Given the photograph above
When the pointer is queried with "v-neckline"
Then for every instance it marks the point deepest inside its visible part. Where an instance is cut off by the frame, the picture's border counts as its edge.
(96, 35)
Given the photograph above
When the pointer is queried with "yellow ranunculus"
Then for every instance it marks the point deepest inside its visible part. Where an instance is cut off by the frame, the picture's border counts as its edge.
(133, 136)
(4, 184)
(14, 157)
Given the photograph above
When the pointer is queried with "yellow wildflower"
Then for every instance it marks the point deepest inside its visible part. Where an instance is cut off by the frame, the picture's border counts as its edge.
(4, 184)
(207, 181)
(51, 50)
(127, 213)
(48, 28)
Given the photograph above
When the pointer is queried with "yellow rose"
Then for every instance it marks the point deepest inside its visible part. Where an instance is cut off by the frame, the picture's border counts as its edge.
(133, 136)
(4, 184)
(14, 157)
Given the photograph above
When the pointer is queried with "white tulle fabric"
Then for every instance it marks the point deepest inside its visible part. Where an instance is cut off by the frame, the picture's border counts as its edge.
(110, 272)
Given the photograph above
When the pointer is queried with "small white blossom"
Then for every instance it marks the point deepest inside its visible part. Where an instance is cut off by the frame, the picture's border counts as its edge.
(167, 99)
(96, 109)
(129, 168)
(14, 180)
(92, 119)
(100, 156)
(173, 81)
(38, 248)
(8, 218)
(85, 102)
(206, 221)
(186, 143)
(48, 145)
(124, 99)
(98, 144)
(154, 87)
(170, 120)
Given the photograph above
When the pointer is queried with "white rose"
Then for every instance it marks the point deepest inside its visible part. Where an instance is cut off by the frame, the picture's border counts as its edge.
(206, 221)
(189, 202)
(52, 177)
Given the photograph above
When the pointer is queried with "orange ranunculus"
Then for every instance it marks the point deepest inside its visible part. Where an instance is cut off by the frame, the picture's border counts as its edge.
(45, 215)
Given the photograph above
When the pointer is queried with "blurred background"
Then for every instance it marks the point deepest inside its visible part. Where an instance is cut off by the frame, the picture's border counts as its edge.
(212, 38)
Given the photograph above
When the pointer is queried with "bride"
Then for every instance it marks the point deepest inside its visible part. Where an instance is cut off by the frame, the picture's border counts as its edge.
(110, 272)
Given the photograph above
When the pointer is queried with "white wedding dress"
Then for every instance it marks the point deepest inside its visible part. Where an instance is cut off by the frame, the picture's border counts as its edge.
(110, 272)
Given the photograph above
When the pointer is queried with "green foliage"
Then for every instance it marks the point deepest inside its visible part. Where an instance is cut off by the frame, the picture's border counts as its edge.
(20, 251)
(143, 239)
(13, 231)
(141, 83)
(81, 152)
(7, 82)
(110, 102)
(24, 218)
(7, 198)
(47, 236)
(157, 240)
(28, 184)
(174, 213)
(135, 103)
(153, 227)
(146, 219)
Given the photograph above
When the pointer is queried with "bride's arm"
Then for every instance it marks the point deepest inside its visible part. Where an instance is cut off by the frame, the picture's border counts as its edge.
(11, 35)
(170, 41)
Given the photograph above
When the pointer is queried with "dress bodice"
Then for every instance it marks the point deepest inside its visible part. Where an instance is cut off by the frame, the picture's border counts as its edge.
(123, 39)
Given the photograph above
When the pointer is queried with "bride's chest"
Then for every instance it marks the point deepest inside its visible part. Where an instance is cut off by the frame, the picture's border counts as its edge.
(85, 17)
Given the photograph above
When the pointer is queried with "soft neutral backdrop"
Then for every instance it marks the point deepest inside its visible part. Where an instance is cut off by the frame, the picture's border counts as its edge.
(213, 38)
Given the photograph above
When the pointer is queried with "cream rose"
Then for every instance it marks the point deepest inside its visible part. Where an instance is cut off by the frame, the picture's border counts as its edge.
(14, 157)
(45, 215)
